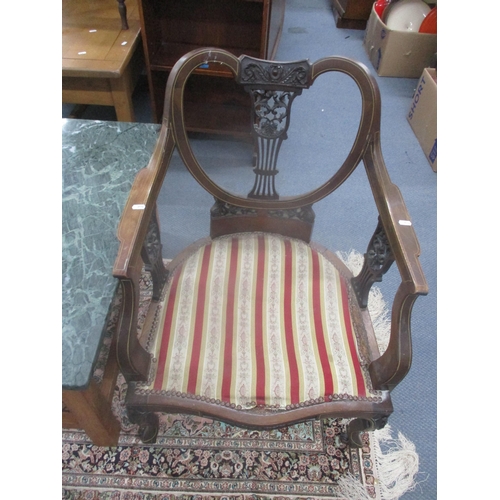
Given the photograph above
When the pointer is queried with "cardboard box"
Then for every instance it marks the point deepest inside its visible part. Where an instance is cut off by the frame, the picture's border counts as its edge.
(423, 115)
(398, 53)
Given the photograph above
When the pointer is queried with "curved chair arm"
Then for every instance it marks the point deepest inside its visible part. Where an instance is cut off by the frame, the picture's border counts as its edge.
(139, 212)
(141, 202)
(390, 368)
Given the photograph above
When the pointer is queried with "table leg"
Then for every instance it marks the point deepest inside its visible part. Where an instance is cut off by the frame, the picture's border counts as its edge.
(121, 91)
(93, 413)
(90, 409)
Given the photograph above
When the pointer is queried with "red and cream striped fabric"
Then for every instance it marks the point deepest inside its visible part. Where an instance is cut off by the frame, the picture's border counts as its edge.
(257, 319)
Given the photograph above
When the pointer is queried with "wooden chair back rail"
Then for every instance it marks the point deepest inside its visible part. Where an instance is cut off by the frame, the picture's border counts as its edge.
(369, 124)
(390, 368)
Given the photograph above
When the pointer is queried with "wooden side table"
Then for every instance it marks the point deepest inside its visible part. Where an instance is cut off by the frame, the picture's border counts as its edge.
(100, 61)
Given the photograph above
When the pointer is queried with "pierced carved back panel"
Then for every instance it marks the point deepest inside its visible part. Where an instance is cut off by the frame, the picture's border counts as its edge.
(273, 87)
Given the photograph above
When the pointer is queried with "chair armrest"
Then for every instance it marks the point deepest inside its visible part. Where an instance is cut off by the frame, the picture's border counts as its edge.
(141, 204)
(388, 370)
(132, 231)
(395, 219)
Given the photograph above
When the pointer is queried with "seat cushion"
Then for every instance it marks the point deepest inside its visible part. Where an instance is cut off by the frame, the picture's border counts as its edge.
(257, 320)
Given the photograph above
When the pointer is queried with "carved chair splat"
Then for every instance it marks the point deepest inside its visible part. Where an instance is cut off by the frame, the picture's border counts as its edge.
(212, 352)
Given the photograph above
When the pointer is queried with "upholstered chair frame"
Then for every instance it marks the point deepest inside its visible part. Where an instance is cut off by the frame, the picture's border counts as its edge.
(264, 211)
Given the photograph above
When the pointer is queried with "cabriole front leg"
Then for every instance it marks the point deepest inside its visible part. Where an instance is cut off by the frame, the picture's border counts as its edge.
(357, 426)
(148, 423)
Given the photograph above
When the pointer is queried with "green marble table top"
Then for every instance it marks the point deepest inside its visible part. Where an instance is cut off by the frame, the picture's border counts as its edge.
(99, 163)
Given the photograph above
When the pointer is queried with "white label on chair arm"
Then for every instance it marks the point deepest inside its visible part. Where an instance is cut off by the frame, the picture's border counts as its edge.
(405, 223)
(138, 207)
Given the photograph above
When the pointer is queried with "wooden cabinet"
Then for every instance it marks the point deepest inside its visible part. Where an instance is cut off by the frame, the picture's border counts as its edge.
(352, 14)
(171, 28)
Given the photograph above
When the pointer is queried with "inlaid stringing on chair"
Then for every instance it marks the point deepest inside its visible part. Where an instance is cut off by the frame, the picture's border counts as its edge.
(255, 325)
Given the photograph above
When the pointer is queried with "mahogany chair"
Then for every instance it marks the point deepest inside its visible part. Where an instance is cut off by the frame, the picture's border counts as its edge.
(256, 325)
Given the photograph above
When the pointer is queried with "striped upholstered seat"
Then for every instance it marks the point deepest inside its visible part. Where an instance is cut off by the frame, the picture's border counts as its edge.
(257, 320)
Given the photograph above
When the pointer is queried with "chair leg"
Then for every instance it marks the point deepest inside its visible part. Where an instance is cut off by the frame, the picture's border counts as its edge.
(122, 9)
(357, 426)
(148, 423)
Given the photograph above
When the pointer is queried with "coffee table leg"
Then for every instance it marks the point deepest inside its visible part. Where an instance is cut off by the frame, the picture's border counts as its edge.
(93, 413)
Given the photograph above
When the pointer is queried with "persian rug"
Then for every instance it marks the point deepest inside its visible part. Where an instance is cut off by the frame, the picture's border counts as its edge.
(199, 458)
(196, 457)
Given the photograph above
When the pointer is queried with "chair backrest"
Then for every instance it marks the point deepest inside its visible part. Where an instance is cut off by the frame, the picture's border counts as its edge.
(272, 86)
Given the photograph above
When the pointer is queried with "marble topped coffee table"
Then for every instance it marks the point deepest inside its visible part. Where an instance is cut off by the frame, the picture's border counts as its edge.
(99, 163)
